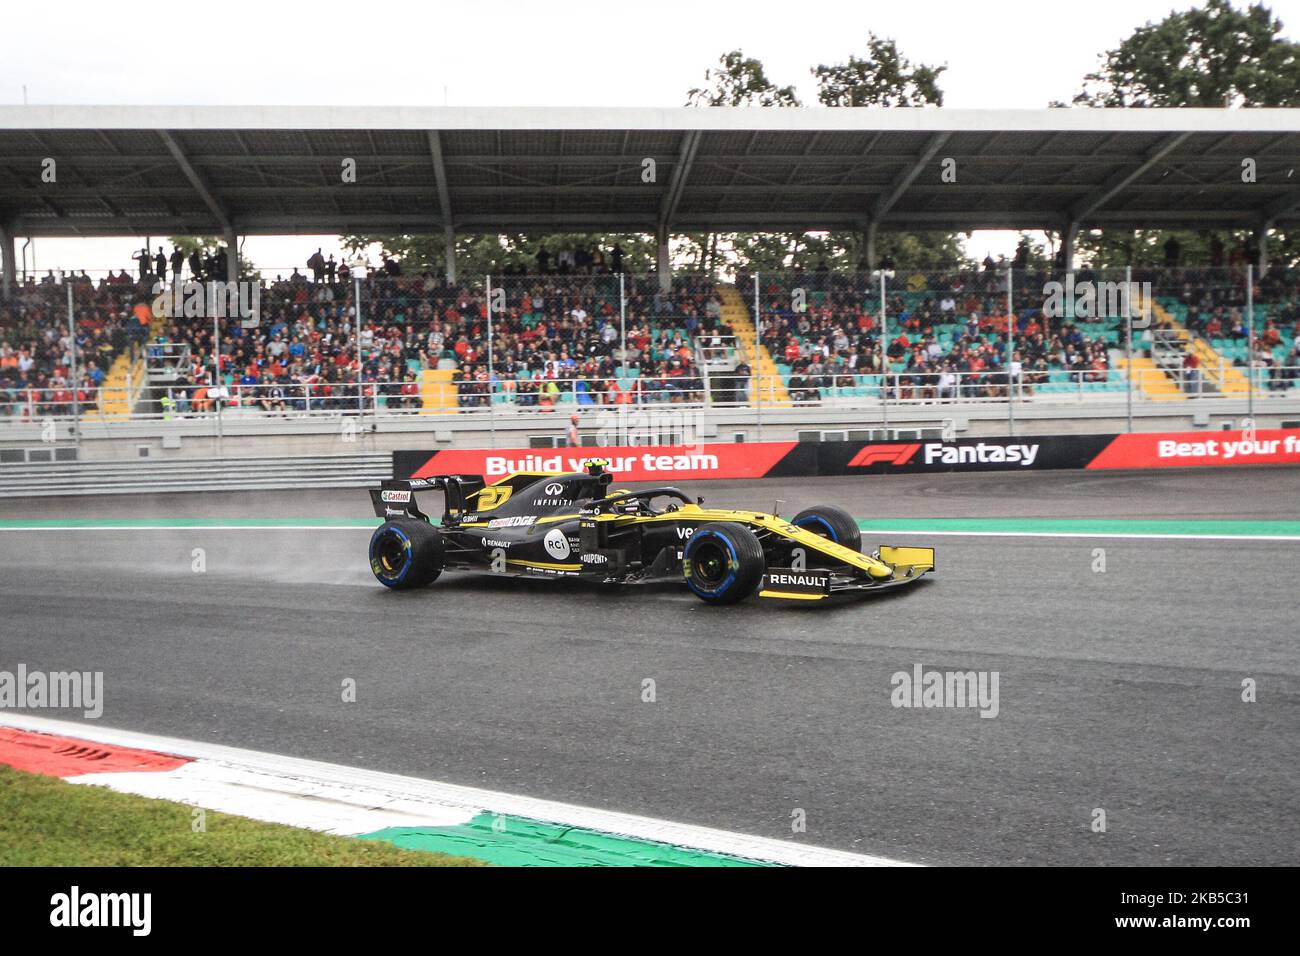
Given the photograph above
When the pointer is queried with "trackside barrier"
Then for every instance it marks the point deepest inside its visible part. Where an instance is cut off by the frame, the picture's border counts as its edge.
(191, 474)
(788, 459)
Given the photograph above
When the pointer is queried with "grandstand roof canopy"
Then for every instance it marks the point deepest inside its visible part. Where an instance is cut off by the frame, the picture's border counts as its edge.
(146, 170)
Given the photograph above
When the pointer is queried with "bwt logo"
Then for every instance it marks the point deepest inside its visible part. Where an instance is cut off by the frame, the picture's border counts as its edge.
(887, 454)
(1086, 299)
(210, 300)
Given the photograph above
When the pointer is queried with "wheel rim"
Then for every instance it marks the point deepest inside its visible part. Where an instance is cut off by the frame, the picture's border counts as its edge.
(391, 553)
(709, 565)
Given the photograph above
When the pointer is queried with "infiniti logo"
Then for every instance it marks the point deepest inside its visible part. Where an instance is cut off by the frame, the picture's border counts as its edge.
(554, 489)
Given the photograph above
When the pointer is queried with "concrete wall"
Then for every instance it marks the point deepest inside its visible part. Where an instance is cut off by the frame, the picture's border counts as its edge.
(191, 438)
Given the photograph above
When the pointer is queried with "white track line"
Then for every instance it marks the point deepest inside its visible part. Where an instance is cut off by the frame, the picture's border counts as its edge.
(393, 786)
(1085, 534)
(201, 527)
(1137, 536)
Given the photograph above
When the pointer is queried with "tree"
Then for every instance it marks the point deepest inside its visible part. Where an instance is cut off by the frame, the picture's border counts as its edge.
(1114, 249)
(884, 78)
(208, 246)
(481, 255)
(843, 251)
(1212, 57)
(739, 80)
(1215, 56)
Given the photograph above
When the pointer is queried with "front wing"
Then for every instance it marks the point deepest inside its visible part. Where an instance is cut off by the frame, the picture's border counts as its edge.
(909, 565)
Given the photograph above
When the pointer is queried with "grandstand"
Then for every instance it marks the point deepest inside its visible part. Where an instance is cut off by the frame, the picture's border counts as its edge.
(453, 347)
(599, 340)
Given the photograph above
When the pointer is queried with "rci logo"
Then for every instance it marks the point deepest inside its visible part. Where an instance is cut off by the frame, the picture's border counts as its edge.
(556, 544)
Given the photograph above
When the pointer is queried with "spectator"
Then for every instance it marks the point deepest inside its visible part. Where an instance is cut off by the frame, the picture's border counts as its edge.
(1172, 251)
(142, 260)
(1192, 372)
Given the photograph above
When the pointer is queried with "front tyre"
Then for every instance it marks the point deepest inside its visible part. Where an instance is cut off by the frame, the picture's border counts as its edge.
(406, 553)
(723, 562)
(834, 524)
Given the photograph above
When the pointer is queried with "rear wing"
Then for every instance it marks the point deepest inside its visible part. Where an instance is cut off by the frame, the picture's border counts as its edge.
(395, 497)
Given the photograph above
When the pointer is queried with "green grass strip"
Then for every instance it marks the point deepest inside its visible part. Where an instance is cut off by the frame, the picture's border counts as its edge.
(518, 841)
(45, 821)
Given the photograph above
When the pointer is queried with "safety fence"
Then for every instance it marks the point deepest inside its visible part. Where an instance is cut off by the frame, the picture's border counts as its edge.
(192, 474)
(308, 400)
(385, 345)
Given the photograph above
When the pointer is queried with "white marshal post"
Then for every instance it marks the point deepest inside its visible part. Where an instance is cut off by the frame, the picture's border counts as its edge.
(1250, 342)
(76, 375)
(1012, 383)
(359, 266)
(492, 419)
(884, 360)
(215, 391)
(755, 372)
(622, 325)
(1128, 341)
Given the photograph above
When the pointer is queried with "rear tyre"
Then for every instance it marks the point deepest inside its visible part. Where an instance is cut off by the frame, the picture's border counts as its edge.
(406, 553)
(723, 562)
(834, 524)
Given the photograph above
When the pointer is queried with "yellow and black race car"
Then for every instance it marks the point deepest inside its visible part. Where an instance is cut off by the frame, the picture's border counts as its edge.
(574, 525)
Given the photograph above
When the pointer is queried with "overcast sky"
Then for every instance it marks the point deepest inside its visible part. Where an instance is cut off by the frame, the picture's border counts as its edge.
(1011, 54)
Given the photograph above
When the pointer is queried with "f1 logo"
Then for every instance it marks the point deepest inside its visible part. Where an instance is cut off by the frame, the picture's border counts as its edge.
(887, 454)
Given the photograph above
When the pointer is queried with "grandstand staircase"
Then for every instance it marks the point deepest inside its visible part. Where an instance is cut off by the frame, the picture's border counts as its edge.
(125, 376)
(115, 393)
(437, 391)
(735, 313)
(1151, 379)
(1220, 375)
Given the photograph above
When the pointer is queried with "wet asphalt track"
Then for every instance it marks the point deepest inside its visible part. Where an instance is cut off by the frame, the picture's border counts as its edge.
(1118, 690)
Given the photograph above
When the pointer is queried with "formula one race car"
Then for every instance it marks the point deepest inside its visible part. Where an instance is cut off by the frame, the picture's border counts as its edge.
(538, 524)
